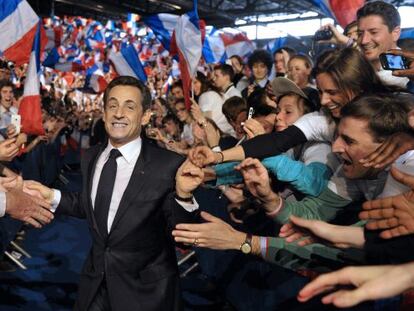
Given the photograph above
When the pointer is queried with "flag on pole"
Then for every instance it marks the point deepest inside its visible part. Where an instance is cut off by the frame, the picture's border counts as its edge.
(187, 42)
(18, 24)
(162, 25)
(30, 107)
(127, 63)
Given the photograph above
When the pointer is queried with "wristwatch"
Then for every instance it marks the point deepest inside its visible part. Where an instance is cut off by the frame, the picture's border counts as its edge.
(246, 246)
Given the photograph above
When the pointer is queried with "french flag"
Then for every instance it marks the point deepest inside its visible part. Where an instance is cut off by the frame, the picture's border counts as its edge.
(54, 37)
(162, 25)
(55, 61)
(213, 48)
(95, 79)
(30, 107)
(237, 44)
(18, 24)
(343, 11)
(127, 63)
(187, 42)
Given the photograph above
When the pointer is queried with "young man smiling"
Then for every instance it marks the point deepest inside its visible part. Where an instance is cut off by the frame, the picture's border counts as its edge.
(379, 28)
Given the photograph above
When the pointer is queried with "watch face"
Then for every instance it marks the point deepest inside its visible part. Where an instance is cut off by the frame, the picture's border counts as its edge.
(246, 248)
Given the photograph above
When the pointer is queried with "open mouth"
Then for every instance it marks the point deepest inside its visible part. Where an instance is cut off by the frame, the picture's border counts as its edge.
(119, 124)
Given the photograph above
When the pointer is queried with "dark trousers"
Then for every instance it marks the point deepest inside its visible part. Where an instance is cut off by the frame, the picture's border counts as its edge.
(101, 300)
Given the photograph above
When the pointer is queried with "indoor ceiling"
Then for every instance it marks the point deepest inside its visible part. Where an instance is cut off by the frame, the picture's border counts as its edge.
(220, 13)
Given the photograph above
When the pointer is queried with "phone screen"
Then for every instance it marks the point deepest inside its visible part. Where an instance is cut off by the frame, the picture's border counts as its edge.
(395, 62)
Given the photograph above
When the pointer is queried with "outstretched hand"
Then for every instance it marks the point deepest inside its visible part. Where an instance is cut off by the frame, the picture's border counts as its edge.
(394, 215)
(214, 234)
(202, 156)
(370, 283)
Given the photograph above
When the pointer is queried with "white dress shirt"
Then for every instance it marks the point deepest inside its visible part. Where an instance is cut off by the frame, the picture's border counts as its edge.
(125, 166)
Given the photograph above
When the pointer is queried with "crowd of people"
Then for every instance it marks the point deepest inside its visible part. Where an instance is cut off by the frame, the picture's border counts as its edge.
(310, 161)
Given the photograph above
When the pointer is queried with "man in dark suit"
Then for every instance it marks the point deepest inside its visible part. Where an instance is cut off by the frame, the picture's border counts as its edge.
(131, 213)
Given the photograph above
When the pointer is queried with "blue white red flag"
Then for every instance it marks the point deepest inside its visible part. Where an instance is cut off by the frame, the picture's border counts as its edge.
(213, 47)
(237, 44)
(162, 26)
(30, 108)
(18, 24)
(127, 63)
(95, 79)
(187, 41)
(343, 11)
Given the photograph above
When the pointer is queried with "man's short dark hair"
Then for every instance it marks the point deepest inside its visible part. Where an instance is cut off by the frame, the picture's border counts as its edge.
(386, 114)
(260, 56)
(232, 107)
(130, 81)
(226, 70)
(292, 52)
(387, 11)
(178, 83)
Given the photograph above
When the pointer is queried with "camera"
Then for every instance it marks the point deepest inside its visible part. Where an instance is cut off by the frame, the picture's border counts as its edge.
(322, 35)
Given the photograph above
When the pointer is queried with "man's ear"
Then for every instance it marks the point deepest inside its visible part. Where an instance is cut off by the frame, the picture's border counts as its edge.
(396, 32)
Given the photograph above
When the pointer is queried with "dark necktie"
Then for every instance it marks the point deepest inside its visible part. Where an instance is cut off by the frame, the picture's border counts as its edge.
(104, 191)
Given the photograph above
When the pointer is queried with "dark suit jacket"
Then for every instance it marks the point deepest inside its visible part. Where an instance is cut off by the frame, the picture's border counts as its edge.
(137, 260)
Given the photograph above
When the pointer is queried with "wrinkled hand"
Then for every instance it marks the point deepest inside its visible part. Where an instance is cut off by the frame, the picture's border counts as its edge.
(371, 283)
(395, 215)
(188, 178)
(214, 234)
(389, 150)
(256, 178)
(38, 190)
(202, 156)
(32, 210)
(8, 149)
(8, 183)
(253, 128)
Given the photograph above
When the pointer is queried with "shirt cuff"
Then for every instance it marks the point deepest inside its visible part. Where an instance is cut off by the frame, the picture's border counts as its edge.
(189, 207)
(216, 149)
(2, 203)
(263, 246)
(57, 195)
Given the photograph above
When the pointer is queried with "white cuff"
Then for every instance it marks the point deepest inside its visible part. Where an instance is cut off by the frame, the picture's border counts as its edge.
(57, 195)
(2, 203)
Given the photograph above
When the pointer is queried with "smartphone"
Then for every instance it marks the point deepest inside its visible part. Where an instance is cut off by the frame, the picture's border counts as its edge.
(16, 121)
(393, 62)
(250, 114)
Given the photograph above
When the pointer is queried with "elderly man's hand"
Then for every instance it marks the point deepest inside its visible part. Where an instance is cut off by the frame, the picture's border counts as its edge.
(24, 207)
(188, 178)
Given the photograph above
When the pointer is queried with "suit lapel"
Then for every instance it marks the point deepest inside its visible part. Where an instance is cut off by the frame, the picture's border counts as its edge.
(91, 172)
(135, 184)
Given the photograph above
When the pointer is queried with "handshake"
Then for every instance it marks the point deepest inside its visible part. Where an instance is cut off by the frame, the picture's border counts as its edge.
(28, 201)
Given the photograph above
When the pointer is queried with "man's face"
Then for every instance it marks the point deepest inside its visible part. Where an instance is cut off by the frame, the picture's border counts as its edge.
(220, 80)
(236, 124)
(122, 114)
(353, 143)
(375, 37)
(177, 92)
(259, 71)
(280, 63)
(5, 74)
(6, 96)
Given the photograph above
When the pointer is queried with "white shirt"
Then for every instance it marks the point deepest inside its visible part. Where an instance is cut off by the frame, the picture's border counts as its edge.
(232, 91)
(126, 163)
